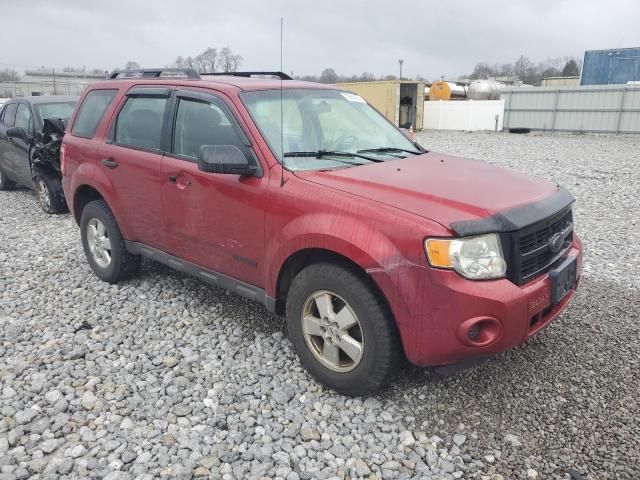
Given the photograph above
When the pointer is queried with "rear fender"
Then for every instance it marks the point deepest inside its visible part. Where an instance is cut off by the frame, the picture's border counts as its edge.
(90, 175)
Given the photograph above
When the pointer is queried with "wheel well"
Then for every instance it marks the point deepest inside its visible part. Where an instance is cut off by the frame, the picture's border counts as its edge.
(303, 258)
(83, 196)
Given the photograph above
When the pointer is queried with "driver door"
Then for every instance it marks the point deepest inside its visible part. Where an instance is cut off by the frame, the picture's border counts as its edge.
(213, 220)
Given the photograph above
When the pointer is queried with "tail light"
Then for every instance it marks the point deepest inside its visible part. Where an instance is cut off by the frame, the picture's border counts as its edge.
(63, 158)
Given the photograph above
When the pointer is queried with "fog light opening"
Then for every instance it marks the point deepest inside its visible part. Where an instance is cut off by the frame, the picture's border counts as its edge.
(473, 332)
(479, 331)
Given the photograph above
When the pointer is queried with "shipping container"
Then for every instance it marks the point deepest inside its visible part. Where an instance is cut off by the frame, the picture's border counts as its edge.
(560, 82)
(611, 67)
(401, 102)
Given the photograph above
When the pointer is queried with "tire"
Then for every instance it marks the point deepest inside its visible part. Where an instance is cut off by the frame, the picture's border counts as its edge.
(50, 196)
(5, 183)
(119, 264)
(381, 354)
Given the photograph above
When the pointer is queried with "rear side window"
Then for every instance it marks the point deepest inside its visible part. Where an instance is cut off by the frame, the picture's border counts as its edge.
(91, 112)
(139, 123)
(201, 123)
(23, 118)
(9, 114)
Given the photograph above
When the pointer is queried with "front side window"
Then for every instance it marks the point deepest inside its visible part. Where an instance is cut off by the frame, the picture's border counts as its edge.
(202, 123)
(23, 118)
(9, 114)
(139, 123)
(91, 112)
(319, 120)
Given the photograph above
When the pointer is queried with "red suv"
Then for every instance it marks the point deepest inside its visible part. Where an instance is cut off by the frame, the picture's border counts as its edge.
(304, 198)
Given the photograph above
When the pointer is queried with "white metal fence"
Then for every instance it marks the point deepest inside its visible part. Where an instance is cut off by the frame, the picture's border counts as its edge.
(27, 88)
(461, 115)
(595, 109)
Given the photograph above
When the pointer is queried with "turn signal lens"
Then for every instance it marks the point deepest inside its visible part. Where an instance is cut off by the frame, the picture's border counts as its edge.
(438, 252)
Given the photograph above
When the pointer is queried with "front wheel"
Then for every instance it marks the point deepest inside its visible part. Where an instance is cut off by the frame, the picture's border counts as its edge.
(342, 329)
(49, 191)
(104, 244)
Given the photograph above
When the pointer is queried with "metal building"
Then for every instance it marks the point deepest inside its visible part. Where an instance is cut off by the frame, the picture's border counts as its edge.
(607, 67)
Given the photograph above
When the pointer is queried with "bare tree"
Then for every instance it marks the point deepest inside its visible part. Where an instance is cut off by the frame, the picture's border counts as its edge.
(482, 70)
(131, 65)
(9, 75)
(229, 62)
(207, 61)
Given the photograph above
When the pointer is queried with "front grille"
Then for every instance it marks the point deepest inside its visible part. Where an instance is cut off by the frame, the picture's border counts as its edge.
(532, 253)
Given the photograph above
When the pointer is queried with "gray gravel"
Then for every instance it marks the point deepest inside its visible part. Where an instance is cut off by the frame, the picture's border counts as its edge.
(163, 376)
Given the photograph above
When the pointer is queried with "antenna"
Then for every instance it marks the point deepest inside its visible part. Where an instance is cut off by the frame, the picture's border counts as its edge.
(281, 107)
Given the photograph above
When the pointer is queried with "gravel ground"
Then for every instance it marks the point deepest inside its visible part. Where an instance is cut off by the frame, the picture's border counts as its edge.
(165, 376)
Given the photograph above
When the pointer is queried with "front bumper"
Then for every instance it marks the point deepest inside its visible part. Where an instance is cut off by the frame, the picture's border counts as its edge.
(434, 310)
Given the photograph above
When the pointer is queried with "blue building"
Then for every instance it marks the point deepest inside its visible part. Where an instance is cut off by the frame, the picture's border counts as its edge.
(616, 66)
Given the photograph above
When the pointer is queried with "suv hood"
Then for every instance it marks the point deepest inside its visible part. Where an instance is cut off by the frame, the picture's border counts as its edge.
(439, 187)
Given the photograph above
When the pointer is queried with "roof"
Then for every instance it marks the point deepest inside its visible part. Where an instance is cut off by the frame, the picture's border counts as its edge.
(220, 82)
(42, 99)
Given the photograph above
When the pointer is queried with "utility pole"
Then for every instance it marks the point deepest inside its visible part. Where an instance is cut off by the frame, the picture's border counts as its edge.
(400, 62)
(53, 70)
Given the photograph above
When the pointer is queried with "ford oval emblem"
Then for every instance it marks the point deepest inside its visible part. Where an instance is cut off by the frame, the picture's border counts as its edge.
(556, 242)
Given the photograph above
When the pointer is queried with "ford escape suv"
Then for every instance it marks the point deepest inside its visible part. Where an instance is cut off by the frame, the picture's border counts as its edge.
(304, 198)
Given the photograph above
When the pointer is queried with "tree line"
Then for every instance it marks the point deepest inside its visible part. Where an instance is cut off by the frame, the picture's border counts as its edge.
(213, 60)
(329, 75)
(528, 71)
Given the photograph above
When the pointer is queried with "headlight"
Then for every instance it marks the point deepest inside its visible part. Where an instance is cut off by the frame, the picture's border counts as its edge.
(476, 258)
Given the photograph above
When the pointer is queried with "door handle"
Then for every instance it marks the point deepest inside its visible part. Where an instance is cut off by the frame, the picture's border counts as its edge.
(109, 163)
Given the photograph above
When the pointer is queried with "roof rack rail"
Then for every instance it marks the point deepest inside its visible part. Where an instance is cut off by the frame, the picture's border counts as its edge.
(154, 73)
(280, 75)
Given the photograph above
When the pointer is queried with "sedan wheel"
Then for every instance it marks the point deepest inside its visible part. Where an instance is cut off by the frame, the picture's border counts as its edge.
(332, 331)
(99, 243)
(44, 196)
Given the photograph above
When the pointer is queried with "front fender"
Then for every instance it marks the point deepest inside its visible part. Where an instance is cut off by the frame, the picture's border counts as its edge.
(360, 242)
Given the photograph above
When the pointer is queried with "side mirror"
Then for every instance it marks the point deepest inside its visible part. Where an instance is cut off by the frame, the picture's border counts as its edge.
(227, 159)
(16, 132)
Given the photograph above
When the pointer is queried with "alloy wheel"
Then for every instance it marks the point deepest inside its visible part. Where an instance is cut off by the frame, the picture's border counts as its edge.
(99, 243)
(332, 331)
(43, 195)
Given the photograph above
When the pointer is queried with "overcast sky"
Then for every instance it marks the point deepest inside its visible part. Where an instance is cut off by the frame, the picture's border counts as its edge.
(348, 36)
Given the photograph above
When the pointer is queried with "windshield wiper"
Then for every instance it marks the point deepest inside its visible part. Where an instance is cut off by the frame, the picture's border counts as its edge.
(328, 153)
(388, 150)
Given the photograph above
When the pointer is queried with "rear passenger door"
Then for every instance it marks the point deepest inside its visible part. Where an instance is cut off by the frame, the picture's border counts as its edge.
(213, 220)
(131, 159)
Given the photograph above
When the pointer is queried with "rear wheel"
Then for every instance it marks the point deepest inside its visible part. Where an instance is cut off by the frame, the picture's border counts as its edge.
(5, 183)
(342, 329)
(104, 244)
(49, 191)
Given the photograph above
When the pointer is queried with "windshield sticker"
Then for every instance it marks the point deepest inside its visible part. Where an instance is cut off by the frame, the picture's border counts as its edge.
(352, 97)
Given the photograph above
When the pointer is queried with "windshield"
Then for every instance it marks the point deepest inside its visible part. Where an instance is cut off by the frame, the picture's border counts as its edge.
(56, 110)
(324, 121)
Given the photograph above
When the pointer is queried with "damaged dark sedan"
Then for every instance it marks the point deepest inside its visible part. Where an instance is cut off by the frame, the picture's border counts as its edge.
(31, 131)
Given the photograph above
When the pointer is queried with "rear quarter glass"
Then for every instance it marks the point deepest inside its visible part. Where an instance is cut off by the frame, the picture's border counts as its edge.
(91, 111)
